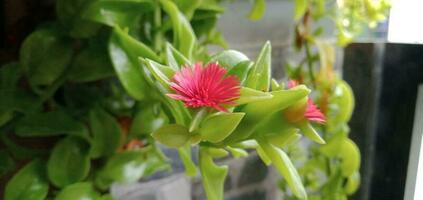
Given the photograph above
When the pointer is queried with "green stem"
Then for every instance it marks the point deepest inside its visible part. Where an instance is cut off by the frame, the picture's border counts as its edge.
(157, 26)
(310, 63)
(195, 123)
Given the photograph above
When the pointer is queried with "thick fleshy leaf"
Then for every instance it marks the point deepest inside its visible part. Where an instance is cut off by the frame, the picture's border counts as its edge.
(237, 152)
(69, 14)
(79, 191)
(106, 133)
(148, 119)
(257, 111)
(122, 13)
(229, 58)
(172, 135)
(217, 127)
(42, 44)
(49, 124)
(213, 176)
(188, 6)
(161, 73)
(351, 159)
(249, 95)
(309, 132)
(91, 64)
(353, 182)
(174, 58)
(129, 166)
(260, 75)
(344, 99)
(241, 70)
(69, 162)
(285, 167)
(183, 35)
(185, 155)
(30, 183)
(262, 155)
(258, 10)
(124, 52)
(283, 138)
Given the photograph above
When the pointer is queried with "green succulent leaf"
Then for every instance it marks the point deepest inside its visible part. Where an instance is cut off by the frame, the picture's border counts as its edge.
(148, 119)
(124, 52)
(241, 70)
(69, 162)
(218, 126)
(258, 10)
(183, 35)
(237, 152)
(91, 64)
(229, 58)
(258, 111)
(309, 132)
(285, 167)
(172, 135)
(122, 13)
(350, 155)
(37, 47)
(249, 95)
(353, 183)
(344, 99)
(30, 183)
(160, 72)
(49, 124)
(213, 176)
(174, 58)
(106, 133)
(260, 75)
(79, 191)
(7, 164)
(129, 166)
(185, 155)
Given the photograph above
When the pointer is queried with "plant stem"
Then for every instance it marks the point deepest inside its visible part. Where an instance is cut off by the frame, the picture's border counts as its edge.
(310, 63)
(157, 25)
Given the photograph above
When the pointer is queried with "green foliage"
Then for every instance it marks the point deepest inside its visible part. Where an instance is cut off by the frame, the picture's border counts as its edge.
(78, 191)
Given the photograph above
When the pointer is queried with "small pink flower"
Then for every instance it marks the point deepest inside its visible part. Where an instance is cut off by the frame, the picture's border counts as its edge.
(207, 86)
(312, 113)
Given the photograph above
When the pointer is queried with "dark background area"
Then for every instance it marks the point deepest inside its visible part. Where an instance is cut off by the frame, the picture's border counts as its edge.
(385, 79)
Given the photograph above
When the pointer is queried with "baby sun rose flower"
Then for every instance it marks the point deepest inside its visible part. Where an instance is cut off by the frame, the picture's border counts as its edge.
(305, 109)
(205, 86)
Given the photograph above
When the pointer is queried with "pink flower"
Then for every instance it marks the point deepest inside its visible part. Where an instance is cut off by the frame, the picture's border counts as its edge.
(312, 113)
(207, 86)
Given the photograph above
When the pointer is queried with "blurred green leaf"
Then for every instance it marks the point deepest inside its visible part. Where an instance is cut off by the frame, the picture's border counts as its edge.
(218, 126)
(241, 70)
(79, 191)
(213, 176)
(309, 132)
(49, 124)
(350, 155)
(106, 133)
(229, 58)
(237, 152)
(172, 135)
(124, 52)
(353, 183)
(44, 55)
(148, 119)
(185, 155)
(258, 10)
(174, 58)
(30, 183)
(285, 167)
(344, 99)
(161, 73)
(249, 95)
(260, 75)
(122, 13)
(300, 7)
(129, 166)
(69, 14)
(69, 162)
(91, 64)
(183, 35)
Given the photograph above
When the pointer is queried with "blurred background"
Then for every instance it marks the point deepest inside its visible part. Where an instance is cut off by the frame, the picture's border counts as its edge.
(384, 67)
